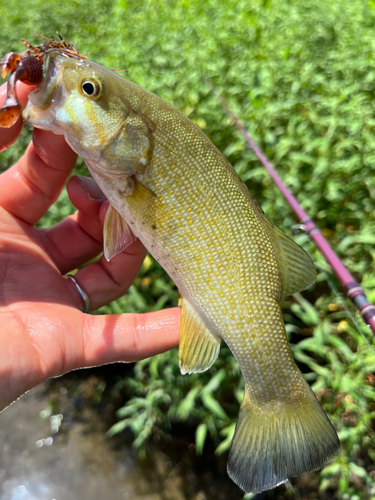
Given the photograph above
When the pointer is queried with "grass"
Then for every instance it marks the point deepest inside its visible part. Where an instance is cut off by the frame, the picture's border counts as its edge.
(301, 77)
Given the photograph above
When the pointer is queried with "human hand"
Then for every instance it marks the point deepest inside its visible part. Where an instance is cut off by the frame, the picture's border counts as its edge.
(44, 332)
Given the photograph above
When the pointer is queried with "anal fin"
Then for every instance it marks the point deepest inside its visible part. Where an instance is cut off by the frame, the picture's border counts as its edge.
(117, 234)
(199, 348)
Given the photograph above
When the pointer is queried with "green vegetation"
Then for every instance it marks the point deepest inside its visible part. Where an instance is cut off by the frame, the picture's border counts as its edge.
(301, 76)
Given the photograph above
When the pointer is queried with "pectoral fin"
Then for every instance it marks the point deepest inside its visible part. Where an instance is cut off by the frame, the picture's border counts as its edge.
(150, 209)
(117, 234)
(199, 348)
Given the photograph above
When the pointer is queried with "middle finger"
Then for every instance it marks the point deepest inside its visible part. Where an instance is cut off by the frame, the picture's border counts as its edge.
(78, 238)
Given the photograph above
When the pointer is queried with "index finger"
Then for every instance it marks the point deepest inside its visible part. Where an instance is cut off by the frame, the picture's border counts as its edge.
(30, 187)
(9, 135)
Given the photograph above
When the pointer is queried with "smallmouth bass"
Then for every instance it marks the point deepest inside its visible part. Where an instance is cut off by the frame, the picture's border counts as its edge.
(178, 194)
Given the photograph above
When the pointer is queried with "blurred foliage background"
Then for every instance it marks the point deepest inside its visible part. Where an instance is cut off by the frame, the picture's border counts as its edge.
(301, 77)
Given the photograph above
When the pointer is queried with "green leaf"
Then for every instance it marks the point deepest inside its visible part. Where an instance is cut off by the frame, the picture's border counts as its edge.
(118, 427)
(213, 406)
(215, 381)
(225, 444)
(200, 438)
(359, 471)
(186, 405)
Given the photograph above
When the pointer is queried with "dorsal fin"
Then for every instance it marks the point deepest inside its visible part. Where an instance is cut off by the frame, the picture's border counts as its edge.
(297, 269)
(198, 346)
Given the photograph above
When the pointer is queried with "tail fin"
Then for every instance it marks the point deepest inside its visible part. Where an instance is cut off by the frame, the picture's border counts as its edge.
(275, 442)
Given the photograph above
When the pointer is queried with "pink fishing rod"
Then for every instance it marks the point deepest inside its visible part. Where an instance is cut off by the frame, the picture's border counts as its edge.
(352, 288)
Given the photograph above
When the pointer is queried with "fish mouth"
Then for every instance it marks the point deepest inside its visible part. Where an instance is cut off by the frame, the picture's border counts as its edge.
(48, 96)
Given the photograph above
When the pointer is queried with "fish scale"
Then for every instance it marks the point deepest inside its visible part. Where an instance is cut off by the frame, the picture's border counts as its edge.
(230, 264)
(178, 194)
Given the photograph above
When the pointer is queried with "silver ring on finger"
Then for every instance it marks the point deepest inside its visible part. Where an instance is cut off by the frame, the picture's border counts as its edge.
(82, 293)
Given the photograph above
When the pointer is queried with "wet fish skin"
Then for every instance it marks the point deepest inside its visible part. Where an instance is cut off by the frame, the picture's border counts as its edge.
(179, 195)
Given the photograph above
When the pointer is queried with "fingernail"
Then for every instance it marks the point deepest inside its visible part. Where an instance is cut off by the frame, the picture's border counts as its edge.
(91, 188)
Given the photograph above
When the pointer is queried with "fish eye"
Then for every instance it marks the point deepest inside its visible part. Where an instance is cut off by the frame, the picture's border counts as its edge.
(91, 88)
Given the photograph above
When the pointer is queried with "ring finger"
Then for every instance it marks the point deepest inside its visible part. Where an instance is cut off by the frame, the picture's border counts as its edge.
(104, 281)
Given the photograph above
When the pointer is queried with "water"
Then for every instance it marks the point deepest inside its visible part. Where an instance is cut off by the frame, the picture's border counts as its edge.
(53, 447)
(40, 460)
